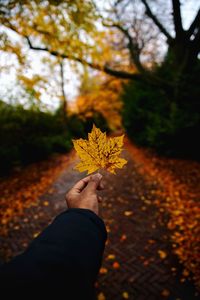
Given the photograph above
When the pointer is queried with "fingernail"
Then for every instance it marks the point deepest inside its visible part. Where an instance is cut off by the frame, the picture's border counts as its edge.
(99, 176)
(102, 186)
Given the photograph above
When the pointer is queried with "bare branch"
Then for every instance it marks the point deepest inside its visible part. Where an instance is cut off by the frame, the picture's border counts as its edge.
(143, 77)
(35, 48)
(133, 47)
(105, 68)
(156, 21)
(122, 74)
(177, 18)
(195, 24)
(195, 44)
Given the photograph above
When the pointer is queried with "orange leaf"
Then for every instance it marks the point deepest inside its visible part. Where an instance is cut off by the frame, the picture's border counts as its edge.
(103, 271)
(123, 237)
(116, 265)
(101, 296)
(128, 213)
(125, 295)
(165, 293)
(162, 254)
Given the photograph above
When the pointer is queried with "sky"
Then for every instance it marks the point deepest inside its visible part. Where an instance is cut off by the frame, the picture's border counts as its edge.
(9, 90)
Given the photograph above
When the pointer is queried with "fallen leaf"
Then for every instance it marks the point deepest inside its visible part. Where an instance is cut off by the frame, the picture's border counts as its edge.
(128, 213)
(125, 295)
(123, 237)
(173, 269)
(143, 208)
(107, 228)
(17, 227)
(99, 152)
(185, 273)
(35, 234)
(146, 263)
(111, 257)
(151, 241)
(101, 296)
(165, 293)
(142, 258)
(103, 271)
(116, 265)
(162, 254)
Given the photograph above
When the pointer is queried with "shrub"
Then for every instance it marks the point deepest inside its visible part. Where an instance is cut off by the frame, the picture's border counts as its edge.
(31, 135)
(98, 120)
(80, 126)
(27, 136)
(153, 119)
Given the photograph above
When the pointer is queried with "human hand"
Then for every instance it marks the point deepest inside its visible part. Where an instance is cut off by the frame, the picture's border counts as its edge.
(84, 193)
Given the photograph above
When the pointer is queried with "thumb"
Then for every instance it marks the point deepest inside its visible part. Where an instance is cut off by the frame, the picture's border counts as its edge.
(93, 183)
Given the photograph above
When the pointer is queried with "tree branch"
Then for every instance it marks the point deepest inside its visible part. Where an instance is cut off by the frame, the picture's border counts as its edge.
(177, 18)
(64, 98)
(195, 24)
(105, 68)
(145, 77)
(133, 47)
(195, 44)
(156, 21)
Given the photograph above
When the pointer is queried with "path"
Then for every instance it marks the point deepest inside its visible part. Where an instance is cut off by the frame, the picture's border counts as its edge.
(138, 262)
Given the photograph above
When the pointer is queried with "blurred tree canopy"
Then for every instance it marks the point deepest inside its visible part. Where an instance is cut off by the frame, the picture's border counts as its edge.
(133, 30)
(100, 94)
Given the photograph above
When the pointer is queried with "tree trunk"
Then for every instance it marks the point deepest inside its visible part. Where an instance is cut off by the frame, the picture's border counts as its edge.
(64, 98)
(182, 55)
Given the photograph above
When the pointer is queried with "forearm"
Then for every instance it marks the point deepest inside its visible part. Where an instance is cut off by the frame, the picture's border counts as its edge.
(68, 250)
(77, 238)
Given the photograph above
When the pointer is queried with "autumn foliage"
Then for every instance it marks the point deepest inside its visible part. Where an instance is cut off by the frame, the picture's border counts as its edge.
(100, 94)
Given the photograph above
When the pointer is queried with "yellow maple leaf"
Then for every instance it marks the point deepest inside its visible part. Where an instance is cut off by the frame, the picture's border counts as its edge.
(99, 152)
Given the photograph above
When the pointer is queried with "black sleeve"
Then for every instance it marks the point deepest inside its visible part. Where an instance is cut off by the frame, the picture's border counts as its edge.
(65, 256)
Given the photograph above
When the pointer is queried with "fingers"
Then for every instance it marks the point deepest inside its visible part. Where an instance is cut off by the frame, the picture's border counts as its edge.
(84, 193)
(94, 183)
(81, 184)
(100, 186)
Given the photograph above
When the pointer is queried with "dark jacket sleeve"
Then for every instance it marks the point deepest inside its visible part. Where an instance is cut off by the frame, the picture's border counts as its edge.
(65, 256)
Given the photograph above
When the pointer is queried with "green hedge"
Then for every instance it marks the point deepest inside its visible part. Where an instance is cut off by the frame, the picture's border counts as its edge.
(152, 119)
(31, 135)
(27, 136)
